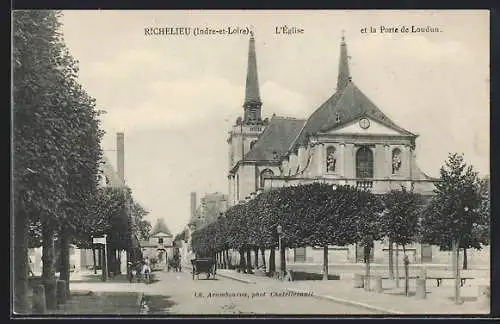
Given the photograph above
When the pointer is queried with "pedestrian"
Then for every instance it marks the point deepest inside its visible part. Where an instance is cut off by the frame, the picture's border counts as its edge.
(30, 268)
(146, 270)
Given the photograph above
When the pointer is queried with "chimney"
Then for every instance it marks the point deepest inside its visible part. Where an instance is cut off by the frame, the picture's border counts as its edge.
(120, 149)
(193, 205)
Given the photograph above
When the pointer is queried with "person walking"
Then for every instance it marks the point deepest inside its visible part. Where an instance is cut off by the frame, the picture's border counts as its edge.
(146, 270)
(30, 268)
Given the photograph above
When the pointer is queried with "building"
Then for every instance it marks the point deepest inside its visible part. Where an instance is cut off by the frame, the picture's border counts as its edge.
(210, 208)
(160, 244)
(108, 177)
(347, 140)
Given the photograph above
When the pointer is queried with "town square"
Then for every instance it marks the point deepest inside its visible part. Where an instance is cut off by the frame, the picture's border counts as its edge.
(257, 163)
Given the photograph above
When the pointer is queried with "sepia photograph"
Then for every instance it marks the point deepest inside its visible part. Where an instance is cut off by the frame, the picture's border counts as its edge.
(250, 162)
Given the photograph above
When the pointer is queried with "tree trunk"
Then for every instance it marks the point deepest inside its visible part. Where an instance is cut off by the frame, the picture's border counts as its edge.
(113, 260)
(119, 261)
(242, 261)
(397, 265)
(456, 269)
(283, 261)
(93, 255)
(465, 265)
(391, 260)
(325, 262)
(263, 254)
(228, 259)
(48, 269)
(65, 264)
(48, 253)
(366, 251)
(249, 261)
(104, 256)
(21, 230)
(406, 265)
(272, 261)
(256, 252)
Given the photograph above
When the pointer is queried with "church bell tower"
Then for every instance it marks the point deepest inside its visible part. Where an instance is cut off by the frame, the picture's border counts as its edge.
(247, 129)
(252, 104)
(245, 132)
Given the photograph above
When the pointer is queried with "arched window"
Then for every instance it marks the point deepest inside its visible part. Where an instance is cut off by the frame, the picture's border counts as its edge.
(364, 163)
(265, 174)
(331, 159)
(396, 160)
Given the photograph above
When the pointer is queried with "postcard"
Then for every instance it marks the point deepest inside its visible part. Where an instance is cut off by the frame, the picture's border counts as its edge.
(251, 162)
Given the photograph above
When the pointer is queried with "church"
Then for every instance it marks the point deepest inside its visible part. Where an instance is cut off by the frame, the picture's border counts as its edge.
(347, 140)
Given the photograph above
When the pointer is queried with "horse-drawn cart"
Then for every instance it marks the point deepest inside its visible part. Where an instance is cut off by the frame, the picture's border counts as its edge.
(174, 264)
(204, 265)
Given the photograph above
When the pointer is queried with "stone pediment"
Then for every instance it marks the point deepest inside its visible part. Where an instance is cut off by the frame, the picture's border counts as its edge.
(365, 126)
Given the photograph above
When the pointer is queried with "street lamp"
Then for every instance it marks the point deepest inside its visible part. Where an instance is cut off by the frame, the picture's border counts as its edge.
(279, 229)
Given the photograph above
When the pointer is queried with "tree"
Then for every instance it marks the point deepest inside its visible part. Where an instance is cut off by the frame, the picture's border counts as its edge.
(458, 212)
(42, 79)
(144, 229)
(481, 229)
(367, 223)
(324, 215)
(401, 217)
(82, 165)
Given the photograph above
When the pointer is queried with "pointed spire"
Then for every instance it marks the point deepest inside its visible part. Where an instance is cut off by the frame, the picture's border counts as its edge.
(252, 86)
(252, 102)
(344, 76)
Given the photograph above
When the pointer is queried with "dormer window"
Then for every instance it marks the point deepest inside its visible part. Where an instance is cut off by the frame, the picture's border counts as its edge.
(337, 118)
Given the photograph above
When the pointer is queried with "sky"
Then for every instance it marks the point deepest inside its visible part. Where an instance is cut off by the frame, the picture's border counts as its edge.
(176, 97)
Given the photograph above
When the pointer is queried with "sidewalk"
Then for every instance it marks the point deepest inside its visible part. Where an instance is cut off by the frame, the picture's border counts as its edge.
(441, 266)
(347, 270)
(86, 280)
(392, 301)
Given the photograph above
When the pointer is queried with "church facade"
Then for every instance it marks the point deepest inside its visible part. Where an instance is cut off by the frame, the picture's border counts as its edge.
(347, 140)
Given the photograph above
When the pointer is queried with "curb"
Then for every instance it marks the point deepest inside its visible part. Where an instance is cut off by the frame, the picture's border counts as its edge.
(223, 275)
(349, 302)
(330, 298)
(227, 276)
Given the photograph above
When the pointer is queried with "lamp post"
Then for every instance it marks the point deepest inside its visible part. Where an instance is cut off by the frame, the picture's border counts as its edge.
(279, 229)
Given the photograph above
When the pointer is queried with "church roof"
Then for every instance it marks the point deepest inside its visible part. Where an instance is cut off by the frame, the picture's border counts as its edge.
(345, 105)
(160, 227)
(275, 139)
